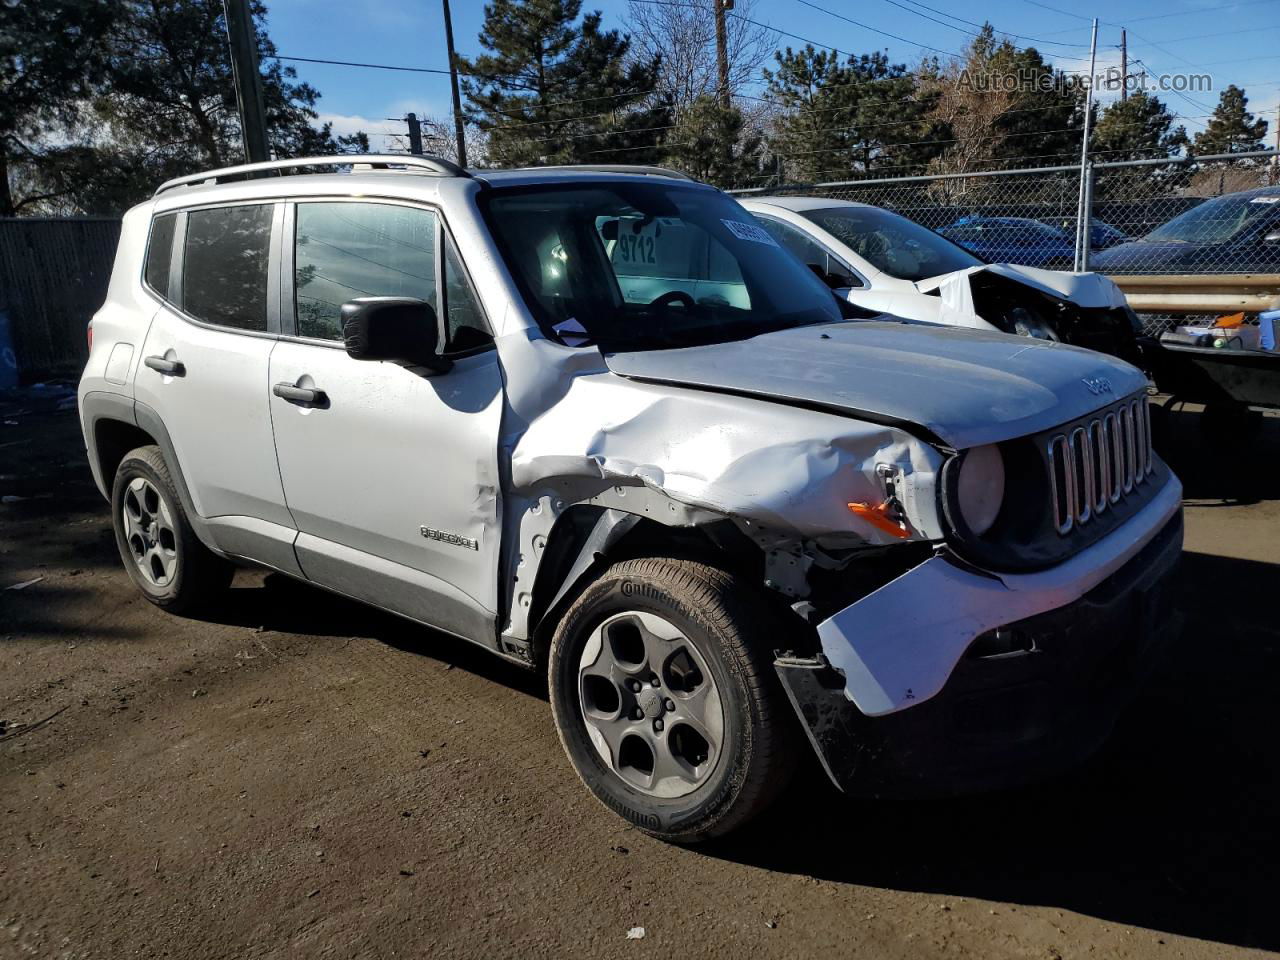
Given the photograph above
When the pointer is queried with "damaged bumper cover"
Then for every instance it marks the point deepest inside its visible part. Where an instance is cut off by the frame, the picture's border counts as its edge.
(947, 680)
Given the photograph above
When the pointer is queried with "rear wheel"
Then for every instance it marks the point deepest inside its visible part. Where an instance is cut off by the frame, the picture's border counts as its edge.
(665, 698)
(160, 551)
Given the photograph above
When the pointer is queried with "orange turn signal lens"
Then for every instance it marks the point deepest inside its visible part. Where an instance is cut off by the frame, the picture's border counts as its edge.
(878, 516)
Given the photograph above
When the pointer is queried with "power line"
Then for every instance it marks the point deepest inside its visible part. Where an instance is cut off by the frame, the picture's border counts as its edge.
(1210, 36)
(883, 33)
(1194, 103)
(1004, 33)
(1187, 13)
(796, 36)
(369, 66)
(1065, 13)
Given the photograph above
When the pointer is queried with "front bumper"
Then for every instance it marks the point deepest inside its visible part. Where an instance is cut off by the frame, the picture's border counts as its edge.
(993, 703)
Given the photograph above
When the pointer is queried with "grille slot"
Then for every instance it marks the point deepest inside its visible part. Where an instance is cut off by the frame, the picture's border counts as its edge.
(1098, 462)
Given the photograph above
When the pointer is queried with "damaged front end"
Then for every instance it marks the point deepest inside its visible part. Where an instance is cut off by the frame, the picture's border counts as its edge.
(787, 496)
(930, 631)
(1082, 309)
(1020, 701)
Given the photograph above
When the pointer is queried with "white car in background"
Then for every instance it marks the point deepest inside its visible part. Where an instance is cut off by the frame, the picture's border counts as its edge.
(883, 262)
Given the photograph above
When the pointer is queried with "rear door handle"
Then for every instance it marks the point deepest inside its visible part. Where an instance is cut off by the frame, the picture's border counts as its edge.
(170, 368)
(303, 396)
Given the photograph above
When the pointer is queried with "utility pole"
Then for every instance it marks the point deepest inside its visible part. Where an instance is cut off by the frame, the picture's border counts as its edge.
(722, 51)
(1275, 161)
(1086, 175)
(453, 82)
(243, 42)
(415, 133)
(1124, 64)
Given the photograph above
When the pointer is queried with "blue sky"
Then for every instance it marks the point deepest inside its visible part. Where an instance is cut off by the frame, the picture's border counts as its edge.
(1234, 42)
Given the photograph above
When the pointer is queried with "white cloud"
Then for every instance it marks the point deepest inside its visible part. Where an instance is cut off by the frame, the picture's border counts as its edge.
(384, 133)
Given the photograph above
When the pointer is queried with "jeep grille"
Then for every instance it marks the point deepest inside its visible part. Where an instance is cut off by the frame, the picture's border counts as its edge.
(1095, 464)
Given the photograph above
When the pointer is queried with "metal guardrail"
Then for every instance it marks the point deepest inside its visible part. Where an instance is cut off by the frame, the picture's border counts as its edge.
(1208, 293)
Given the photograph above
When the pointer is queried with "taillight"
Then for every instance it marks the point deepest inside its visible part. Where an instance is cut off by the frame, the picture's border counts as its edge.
(88, 332)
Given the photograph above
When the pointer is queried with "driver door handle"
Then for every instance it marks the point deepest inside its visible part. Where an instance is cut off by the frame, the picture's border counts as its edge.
(303, 396)
(170, 368)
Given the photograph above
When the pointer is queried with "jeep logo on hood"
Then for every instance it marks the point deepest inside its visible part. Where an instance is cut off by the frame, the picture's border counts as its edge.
(1097, 385)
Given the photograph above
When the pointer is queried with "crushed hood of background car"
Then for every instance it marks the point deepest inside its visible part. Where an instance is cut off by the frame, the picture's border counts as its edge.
(1088, 290)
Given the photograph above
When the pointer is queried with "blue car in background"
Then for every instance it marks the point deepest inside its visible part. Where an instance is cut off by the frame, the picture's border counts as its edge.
(1019, 240)
(1234, 233)
(1102, 236)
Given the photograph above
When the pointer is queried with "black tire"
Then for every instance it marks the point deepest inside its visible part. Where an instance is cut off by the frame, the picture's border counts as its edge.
(734, 632)
(198, 575)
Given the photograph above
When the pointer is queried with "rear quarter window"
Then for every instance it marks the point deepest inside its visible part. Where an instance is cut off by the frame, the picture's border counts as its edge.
(160, 253)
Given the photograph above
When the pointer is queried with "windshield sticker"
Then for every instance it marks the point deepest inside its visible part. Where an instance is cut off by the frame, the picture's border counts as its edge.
(749, 231)
(572, 332)
(1265, 200)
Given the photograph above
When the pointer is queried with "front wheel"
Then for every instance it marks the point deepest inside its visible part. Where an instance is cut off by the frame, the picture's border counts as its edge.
(664, 695)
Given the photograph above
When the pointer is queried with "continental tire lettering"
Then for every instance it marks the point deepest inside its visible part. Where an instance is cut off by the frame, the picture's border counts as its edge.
(632, 589)
(647, 820)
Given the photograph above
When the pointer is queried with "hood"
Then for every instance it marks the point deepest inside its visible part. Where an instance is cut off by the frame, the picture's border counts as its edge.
(1083, 289)
(1158, 255)
(965, 387)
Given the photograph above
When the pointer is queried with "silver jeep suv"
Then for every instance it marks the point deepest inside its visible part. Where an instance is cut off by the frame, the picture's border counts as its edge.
(596, 420)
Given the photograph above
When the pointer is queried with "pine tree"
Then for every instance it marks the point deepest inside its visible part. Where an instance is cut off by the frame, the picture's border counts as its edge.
(552, 90)
(1232, 129)
(1138, 128)
(711, 144)
(51, 54)
(164, 105)
(845, 116)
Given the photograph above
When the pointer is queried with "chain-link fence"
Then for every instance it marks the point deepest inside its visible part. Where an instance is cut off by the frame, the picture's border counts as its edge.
(1208, 215)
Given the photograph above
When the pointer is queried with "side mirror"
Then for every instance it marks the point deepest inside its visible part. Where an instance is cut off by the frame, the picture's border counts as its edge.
(400, 330)
(835, 281)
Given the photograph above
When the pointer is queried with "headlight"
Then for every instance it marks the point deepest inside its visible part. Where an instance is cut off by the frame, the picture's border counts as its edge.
(1029, 324)
(980, 488)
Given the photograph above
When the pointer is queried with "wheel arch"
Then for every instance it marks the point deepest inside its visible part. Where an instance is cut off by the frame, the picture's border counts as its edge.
(112, 439)
(114, 425)
(587, 538)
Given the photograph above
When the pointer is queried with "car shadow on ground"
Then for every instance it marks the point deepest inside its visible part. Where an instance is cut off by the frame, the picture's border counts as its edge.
(1205, 453)
(277, 602)
(1171, 828)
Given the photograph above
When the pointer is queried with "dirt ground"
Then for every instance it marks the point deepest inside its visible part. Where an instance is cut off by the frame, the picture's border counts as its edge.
(300, 776)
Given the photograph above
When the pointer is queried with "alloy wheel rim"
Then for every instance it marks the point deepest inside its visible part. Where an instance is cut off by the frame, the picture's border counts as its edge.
(650, 704)
(149, 532)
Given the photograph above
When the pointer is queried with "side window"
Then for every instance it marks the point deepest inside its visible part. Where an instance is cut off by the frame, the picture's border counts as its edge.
(465, 327)
(224, 271)
(160, 253)
(343, 251)
(810, 252)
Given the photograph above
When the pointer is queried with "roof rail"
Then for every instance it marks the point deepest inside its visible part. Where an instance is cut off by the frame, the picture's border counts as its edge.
(413, 162)
(649, 171)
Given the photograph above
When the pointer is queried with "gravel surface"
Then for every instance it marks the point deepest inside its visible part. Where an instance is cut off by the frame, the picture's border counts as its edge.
(303, 776)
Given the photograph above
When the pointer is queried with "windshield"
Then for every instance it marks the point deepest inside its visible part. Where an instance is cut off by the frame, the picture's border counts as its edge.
(1217, 220)
(892, 243)
(649, 265)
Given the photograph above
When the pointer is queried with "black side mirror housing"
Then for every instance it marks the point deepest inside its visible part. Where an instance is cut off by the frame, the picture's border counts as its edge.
(399, 330)
(833, 280)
